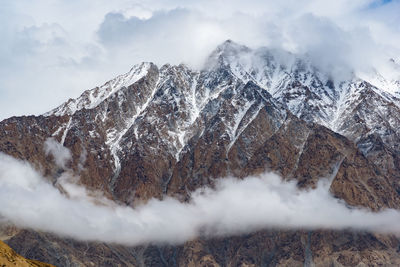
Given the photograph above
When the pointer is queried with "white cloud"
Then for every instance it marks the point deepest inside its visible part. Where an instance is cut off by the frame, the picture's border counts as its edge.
(47, 57)
(233, 207)
(61, 154)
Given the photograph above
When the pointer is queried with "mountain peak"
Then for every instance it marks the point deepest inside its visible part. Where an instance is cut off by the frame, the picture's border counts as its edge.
(229, 44)
(91, 98)
(225, 53)
(230, 48)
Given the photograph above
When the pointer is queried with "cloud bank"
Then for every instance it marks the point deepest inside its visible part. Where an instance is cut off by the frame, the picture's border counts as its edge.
(45, 57)
(232, 207)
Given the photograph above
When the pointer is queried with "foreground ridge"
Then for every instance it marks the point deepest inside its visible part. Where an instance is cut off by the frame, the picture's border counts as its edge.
(8, 257)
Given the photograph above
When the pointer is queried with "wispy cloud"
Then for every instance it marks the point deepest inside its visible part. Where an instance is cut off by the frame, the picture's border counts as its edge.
(60, 154)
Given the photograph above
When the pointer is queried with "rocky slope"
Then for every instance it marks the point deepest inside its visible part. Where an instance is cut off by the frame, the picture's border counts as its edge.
(8, 257)
(170, 130)
(266, 248)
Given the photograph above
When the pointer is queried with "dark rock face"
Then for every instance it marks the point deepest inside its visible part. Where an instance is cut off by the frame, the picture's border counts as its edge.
(153, 132)
(266, 248)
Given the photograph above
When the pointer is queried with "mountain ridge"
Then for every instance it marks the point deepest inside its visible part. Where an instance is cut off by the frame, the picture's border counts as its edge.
(171, 130)
(306, 92)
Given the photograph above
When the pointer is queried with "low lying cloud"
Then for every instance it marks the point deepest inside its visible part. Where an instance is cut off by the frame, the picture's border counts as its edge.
(233, 207)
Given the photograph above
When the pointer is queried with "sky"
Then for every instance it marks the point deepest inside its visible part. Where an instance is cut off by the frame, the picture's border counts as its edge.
(52, 50)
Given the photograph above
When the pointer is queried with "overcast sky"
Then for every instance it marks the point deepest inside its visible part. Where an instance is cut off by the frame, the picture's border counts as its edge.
(52, 50)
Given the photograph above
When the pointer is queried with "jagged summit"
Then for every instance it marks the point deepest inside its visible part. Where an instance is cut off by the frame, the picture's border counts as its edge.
(188, 95)
(271, 69)
(225, 53)
(93, 97)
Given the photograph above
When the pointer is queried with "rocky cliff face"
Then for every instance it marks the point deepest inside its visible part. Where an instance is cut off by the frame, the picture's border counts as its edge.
(170, 130)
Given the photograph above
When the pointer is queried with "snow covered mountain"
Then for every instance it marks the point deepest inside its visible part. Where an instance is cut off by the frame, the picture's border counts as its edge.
(169, 130)
(356, 108)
